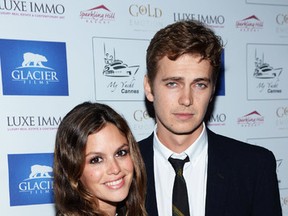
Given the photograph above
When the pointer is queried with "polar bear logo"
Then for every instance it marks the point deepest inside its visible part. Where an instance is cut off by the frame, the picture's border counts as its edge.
(35, 59)
(38, 171)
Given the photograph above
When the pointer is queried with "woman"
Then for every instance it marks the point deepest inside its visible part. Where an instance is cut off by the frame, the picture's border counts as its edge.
(98, 169)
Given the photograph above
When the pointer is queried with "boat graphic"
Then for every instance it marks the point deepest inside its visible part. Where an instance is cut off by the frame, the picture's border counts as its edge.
(263, 70)
(116, 68)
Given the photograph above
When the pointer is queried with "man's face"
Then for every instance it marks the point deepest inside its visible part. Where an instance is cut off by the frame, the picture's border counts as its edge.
(181, 93)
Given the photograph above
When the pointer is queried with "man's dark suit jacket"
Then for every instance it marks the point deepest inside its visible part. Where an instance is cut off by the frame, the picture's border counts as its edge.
(241, 179)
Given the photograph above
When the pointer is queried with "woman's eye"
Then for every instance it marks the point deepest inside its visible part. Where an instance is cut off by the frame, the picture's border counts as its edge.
(96, 160)
(122, 153)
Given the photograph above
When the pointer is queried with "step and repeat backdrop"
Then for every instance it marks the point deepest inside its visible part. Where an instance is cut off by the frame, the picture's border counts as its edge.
(55, 54)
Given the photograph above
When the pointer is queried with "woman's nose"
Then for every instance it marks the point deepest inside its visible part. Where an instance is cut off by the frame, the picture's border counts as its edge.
(113, 167)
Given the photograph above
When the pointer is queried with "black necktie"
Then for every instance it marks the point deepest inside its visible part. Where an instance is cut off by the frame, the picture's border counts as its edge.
(180, 206)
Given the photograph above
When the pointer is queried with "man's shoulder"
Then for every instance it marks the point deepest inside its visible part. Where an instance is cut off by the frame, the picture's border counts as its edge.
(146, 149)
(231, 146)
(146, 141)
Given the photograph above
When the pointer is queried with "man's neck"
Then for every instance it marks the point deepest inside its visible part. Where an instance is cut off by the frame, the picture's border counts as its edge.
(178, 142)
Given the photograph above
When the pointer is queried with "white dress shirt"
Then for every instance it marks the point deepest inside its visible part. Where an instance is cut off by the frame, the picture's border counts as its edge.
(195, 174)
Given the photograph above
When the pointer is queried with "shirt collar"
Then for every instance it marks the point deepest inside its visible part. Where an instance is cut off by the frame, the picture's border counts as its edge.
(193, 151)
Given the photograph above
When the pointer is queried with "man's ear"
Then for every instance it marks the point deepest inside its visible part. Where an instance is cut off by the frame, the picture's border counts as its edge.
(148, 89)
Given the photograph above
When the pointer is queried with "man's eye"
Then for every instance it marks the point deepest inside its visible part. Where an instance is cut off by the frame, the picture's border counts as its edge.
(95, 160)
(171, 84)
(201, 85)
(122, 152)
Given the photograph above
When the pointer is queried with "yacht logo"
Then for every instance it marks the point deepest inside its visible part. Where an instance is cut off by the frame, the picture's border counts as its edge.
(267, 75)
(119, 67)
(267, 71)
(263, 70)
(116, 68)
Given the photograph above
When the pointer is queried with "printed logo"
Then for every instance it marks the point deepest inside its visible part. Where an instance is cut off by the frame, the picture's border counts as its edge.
(252, 119)
(213, 21)
(141, 120)
(140, 115)
(145, 10)
(217, 119)
(284, 203)
(32, 9)
(282, 118)
(30, 179)
(33, 123)
(250, 24)
(282, 19)
(282, 24)
(33, 68)
(141, 123)
(267, 71)
(118, 71)
(116, 68)
(99, 14)
(263, 70)
(145, 17)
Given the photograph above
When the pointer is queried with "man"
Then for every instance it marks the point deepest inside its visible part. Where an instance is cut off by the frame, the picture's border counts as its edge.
(224, 177)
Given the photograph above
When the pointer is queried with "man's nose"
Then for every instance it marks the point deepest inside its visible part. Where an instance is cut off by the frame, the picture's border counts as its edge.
(186, 98)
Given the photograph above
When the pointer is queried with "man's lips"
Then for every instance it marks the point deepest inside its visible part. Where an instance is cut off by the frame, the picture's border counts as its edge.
(184, 116)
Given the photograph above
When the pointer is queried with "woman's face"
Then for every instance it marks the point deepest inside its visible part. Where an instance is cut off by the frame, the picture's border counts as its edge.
(108, 169)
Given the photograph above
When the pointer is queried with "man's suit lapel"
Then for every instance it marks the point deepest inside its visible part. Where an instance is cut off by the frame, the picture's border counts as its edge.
(148, 157)
(216, 178)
